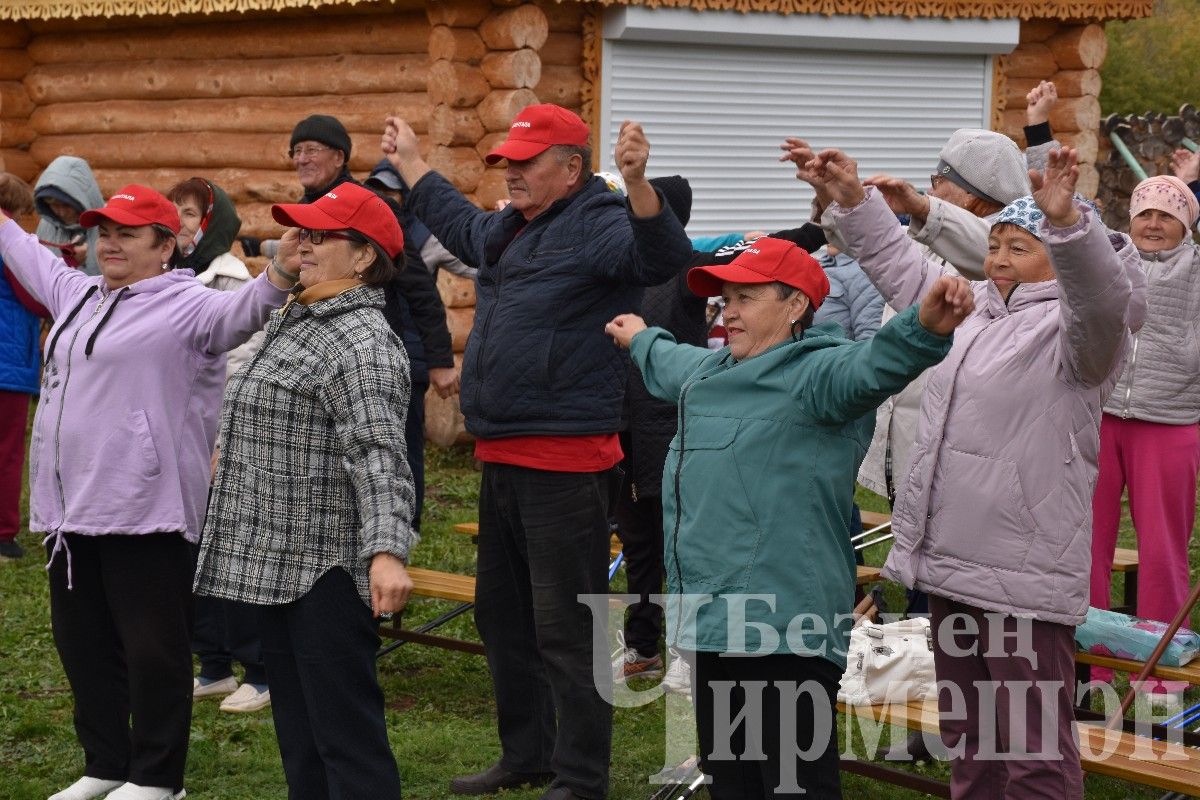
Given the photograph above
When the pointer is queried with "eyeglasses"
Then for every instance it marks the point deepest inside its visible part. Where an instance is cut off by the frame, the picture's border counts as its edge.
(316, 237)
(934, 180)
(308, 151)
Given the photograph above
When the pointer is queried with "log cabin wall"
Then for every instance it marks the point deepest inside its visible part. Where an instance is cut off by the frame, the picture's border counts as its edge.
(1069, 54)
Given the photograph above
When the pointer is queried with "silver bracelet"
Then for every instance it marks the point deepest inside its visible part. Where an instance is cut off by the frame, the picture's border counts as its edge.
(278, 270)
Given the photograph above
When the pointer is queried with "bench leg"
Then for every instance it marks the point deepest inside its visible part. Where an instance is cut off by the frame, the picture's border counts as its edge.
(1131, 592)
(420, 634)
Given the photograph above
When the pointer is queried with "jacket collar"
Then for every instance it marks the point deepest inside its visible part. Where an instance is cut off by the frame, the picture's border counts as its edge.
(1025, 295)
(333, 297)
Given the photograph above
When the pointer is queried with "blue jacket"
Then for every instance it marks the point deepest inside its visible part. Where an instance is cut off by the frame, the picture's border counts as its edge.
(853, 302)
(20, 360)
(537, 360)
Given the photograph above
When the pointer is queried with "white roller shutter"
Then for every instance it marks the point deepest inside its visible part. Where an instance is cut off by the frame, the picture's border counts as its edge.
(717, 113)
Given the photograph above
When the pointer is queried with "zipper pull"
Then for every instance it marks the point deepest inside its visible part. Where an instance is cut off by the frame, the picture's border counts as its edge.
(633, 491)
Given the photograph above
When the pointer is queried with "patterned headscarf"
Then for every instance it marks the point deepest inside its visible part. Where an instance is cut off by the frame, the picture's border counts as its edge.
(1167, 194)
(1022, 212)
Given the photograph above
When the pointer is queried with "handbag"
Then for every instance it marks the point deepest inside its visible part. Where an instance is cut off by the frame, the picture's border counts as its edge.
(890, 663)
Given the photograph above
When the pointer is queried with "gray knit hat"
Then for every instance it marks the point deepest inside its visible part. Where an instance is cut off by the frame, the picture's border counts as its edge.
(987, 164)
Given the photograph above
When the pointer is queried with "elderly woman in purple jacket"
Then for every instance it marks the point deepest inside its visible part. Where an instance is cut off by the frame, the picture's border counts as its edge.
(993, 517)
(119, 472)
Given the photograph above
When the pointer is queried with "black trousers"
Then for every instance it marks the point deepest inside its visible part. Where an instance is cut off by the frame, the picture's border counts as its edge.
(122, 634)
(640, 528)
(225, 630)
(543, 540)
(325, 697)
(414, 440)
(784, 713)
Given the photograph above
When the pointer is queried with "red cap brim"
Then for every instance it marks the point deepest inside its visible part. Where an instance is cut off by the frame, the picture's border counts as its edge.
(516, 150)
(306, 215)
(92, 217)
(708, 281)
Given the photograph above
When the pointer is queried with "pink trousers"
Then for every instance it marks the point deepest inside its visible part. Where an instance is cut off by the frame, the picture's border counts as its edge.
(14, 413)
(1158, 463)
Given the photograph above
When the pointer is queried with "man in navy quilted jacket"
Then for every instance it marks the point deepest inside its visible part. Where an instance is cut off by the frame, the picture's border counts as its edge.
(542, 390)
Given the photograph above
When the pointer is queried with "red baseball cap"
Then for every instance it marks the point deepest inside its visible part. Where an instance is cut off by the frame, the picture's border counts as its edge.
(134, 205)
(764, 261)
(537, 128)
(346, 206)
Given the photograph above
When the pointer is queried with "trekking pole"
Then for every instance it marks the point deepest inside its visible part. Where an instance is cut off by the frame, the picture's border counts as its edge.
(1114, 722)
(615, 565)
(865, 545)
(692, 787)
(874, 530)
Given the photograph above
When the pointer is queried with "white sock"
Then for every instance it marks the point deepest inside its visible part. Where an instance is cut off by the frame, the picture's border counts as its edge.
(86, 788)
(131, 791)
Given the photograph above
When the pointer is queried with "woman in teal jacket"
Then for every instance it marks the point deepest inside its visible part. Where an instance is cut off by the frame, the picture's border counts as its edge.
(757, 495)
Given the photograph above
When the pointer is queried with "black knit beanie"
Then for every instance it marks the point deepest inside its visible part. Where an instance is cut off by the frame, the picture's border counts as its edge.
(324, 129)
(678, 193)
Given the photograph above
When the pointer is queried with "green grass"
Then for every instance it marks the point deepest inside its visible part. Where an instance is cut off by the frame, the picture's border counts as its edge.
(440, 713)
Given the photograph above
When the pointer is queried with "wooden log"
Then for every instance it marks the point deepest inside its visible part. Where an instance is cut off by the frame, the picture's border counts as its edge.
(454, 126)
(362, 113)
(1089, 180)
(462, 166)
(258, 222)
(14, 101)
(489, 142)
(491, 188)
(19, 163)
(514, 28)
(14, 132)
(397, 32)
(1078, 82)
(1015, 90)
(459, 320)
(14, 64)
(164, 79)
(566, 17)
(455, 44)
(204, 151)
(1086, 142)
(242, 185)
(561, 85)
(1079, 46)
(455, 290)
(444, 423)
(562, 49)
(497, 110)
(14, 34)
(1038, 30)
(1030, 61)
(512, 69)
(458, 13)
(1012, 124)
(456, 84)
(1075, 114)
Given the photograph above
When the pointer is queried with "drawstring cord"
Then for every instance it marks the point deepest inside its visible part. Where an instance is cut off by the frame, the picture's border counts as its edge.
(87, 351)
(74, 313)
(60, 543)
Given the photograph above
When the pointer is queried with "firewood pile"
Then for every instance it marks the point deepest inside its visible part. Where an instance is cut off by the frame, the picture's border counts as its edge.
(1134, 147)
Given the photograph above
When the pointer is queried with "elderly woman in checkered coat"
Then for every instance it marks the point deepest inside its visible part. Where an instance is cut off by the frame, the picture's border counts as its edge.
(312, 502)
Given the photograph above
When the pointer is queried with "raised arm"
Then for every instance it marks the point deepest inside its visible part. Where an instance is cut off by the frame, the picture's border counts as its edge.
(44, 275)
(664, 363)
(855, 379)
(216, 322)
(1100, 299)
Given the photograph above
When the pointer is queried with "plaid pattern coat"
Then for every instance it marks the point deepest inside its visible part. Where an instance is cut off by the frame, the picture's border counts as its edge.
(312, 473)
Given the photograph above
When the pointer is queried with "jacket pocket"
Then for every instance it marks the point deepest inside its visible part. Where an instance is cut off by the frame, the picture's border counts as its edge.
(719, 537)
(981, 514)
(275, 517)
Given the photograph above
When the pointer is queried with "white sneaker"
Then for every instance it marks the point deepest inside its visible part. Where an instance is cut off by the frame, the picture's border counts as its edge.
(86, 788)
(246, 698)
(629, 663)
(213, 688)
(131, 791)
(679, 675)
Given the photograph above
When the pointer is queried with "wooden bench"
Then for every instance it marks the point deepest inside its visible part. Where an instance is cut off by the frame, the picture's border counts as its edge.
(1125, 561)
(1171, 767)
(443, 586)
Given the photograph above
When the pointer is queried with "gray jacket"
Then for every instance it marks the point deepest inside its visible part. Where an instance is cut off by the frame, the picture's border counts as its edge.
(72, 177)
(312, 474)
(1161, 379)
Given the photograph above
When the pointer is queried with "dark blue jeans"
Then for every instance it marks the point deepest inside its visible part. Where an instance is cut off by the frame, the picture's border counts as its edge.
(543, 540)
(325, 696)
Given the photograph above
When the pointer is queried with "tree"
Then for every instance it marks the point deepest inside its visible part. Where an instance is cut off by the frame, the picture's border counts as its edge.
(1152, 62)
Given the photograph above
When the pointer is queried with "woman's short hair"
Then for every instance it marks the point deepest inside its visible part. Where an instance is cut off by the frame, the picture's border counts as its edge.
(382, 269)
(16, 198)
(164, 234)
(784, 291)
(195, 189)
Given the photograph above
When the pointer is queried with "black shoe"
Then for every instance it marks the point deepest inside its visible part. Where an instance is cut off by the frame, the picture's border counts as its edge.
(11, 551)
(920, 751)
(495, 778)
(560, 793)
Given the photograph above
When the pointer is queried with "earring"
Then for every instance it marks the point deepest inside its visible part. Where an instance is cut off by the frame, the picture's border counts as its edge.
(793, 322)
(166, 266)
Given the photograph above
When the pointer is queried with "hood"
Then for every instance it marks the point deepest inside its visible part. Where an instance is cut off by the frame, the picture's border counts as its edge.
(218, 229)
(68, 179)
